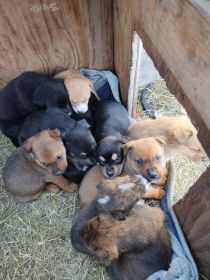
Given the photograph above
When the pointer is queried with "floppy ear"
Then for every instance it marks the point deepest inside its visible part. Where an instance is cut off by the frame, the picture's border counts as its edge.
(28, 145)
(127, 147)
(161, 140)
(84, 123)
(55, 133)
(39, 97)
(181, 136)
(94, 91)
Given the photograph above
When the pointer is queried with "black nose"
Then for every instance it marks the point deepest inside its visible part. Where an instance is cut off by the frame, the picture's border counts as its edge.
(110, 171)
(152, 174)
(57, 172)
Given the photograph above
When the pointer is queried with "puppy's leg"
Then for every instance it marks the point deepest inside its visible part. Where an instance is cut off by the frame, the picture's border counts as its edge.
(62, 183)
(155, 193)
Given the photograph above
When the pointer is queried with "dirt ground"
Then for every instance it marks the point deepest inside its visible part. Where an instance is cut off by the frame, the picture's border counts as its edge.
(35, 241)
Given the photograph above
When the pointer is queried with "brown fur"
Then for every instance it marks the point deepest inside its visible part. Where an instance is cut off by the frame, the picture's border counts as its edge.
(122, 192)
(79, 87)
(107, 238)
(179, 133)
(37, 162)
(146, 149)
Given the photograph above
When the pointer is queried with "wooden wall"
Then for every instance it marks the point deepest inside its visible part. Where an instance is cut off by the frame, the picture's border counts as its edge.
(49, 36)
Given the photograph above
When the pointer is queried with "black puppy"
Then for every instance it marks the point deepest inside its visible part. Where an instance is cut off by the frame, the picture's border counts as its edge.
(26, 93)
(76, 135)
(111, 124)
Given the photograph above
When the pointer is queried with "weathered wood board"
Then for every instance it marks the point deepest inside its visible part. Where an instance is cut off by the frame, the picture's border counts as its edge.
(49, 36)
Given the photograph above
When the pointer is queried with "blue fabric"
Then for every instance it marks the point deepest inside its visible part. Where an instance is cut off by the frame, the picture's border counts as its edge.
(182, 266)
(105, 83)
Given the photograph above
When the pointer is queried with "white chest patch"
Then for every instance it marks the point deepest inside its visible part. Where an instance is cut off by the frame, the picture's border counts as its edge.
(125, 187)
(104, 199)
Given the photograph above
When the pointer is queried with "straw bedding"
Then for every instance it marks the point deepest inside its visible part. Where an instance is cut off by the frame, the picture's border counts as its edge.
(35, 241)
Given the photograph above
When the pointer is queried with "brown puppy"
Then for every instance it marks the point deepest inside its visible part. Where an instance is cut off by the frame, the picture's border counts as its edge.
(79, 89)
(179, 133)
(40, 160)
(117, 195)
(142, 157)
(107, 238)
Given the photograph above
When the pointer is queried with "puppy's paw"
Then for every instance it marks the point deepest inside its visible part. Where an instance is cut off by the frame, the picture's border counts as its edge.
(72, 187)
(53, 188)
(159, 193)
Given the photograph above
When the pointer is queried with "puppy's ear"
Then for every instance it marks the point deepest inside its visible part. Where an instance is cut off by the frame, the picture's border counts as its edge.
(28, 145)
(161, 140)
(127, 147)
(183, 136)
(84, 123)
(55, 133)
(92, 89)
(39, 97)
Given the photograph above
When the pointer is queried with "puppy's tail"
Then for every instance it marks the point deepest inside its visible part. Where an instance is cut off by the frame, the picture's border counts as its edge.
(79, 222)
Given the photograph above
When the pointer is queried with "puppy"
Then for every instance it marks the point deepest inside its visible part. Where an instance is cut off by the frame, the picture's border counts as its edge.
(76, 135)
(111, 124)
(39, 161)
(26, 93)
(117, 195)
(114, 196)
(107, 239)
(143, 157)
(179, 133)
(79, 89)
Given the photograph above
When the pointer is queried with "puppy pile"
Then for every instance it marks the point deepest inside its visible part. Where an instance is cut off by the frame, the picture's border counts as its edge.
(65, 137)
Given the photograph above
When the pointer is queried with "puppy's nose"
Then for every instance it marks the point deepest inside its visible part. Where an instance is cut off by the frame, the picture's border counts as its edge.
(152, 174)
(57, 172)
(110, 171)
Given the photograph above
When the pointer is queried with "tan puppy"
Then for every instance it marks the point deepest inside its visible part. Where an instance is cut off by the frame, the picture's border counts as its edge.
(142, 157)
(39, 161)
(79, 89)
(179, 133)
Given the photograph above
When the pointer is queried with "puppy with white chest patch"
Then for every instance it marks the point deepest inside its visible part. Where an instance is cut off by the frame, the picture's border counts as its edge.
(110, 130)
(79, 89)
(143, 157)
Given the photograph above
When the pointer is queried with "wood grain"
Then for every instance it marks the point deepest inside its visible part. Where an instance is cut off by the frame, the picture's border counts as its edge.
(123, 36)
(49, 36)
(193, 212)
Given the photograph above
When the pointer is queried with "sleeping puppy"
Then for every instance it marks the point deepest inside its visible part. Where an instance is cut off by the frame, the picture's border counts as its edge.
(143, 157)
(79, 89)
(76, 135)
(39, 162)
(29, 92)
(111, 123)
(114, 196)
(179, 133)
(108, 239)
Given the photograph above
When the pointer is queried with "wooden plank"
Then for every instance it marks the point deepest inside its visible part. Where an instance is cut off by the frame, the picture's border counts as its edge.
(49, 36)
(176, 34)
(123, 36)
(194, 215)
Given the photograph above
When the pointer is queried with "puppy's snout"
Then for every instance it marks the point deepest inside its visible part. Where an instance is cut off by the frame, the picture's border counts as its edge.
(110, 171)
(152, 175)
(57, 172)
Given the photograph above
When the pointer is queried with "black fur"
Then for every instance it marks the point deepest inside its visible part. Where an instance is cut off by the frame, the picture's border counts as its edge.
(111, 124)
(76, 136)
(27, 93)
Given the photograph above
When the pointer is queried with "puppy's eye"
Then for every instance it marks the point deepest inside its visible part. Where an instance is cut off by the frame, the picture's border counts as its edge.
(44, 164)
(140, 161)
(59, 157)
(118, 158)
(158, 157)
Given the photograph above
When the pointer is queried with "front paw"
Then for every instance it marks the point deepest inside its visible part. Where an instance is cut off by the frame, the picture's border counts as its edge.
(72, 187)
